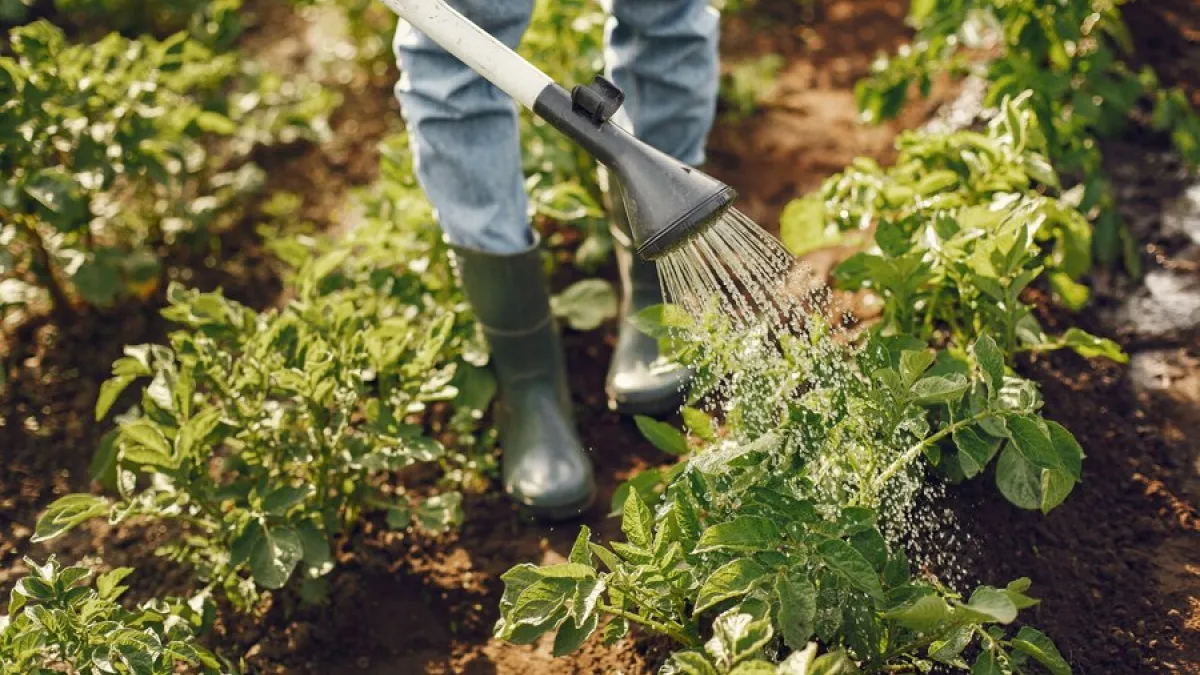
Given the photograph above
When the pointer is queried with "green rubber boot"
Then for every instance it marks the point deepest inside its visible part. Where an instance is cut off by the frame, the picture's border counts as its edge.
(544, 465)
(639, 381)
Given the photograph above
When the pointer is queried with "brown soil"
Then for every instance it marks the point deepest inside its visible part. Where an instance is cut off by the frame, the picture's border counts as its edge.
(1116, 566)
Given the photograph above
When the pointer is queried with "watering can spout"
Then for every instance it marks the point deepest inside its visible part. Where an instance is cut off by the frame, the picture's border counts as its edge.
(667, 201)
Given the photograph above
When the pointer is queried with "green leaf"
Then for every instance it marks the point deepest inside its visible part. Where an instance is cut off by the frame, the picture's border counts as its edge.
(1034, 643)
(587, 304)
(803, 227)
(636, 521)
(541, 605)
(850, 566)
(662, 435)
(1069, 453)
(733, 579)
(741, 633)
(795, 608)
(992, 605)
(143, 443)
(245, 542)
(974, 451)
(440, 513)
(991, 362)
(318, 558)
(1089, 346)
(1032, 440)
(196, 431)
(986, 664)
(692, 663)
(1018, 480)
(107, 584)
(923, 615)
(587, 595)
(1074, 296)
(62, 202)
(567, 570)
(275, 556)
(278, 501)
(99, 283)
(938, 389)
(215, 123)
(109, 391)
(571, 637)
(754, 668)
(581, 552)
(67, 512)
(947, 650)
(913, 364)
(400, 515)
(744, 533)
(698, 422)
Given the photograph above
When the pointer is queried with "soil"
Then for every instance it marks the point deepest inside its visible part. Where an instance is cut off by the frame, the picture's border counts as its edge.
(1117, 566)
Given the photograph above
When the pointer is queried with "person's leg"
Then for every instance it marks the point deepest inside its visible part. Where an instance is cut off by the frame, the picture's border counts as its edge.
(464, 133)
(663, 55)
(468, 161)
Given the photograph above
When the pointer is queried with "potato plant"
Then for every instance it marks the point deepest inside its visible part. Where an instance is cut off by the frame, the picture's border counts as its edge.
(786, 527)
(264, 436)
(1071, 55)
(111, 153)
(56, 623)
(962, 224)
(737, 582)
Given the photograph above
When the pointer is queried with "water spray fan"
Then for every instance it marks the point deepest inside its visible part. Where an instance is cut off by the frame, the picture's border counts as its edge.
(668, 202)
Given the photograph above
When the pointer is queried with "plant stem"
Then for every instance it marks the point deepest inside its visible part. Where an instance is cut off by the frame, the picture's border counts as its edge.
(910, 454)
(45, 268)
(673, 630)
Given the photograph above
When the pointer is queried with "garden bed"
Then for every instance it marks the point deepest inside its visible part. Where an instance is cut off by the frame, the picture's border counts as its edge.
(1116, 566)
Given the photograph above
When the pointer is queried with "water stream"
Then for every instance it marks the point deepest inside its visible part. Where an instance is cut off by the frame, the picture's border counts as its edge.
(769, 334)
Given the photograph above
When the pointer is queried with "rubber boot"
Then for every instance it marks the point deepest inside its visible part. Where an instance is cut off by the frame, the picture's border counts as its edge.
(544, 465)
(639, 381)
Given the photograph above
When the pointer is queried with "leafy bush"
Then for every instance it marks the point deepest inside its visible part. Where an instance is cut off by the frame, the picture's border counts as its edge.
(264, 436)
(784, 524)
(1069, 54)
(768, 574)
(56, 622)
(110, 155)
(962, 224)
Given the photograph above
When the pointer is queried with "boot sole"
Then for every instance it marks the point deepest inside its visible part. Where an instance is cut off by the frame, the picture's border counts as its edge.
(560, 514)
(650, 407)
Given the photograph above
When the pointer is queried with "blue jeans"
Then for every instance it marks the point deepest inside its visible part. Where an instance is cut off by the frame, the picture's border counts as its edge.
(464, 133)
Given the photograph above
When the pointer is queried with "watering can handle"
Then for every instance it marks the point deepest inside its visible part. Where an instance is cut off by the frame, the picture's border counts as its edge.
(475, 47)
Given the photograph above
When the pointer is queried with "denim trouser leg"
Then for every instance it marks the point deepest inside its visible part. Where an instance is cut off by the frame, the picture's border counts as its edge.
(464, 133)
(662, 53)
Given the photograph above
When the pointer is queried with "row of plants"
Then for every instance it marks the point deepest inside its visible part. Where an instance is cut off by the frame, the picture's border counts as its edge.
(958, 228)
(780, 533)
(1073, 58)
(782, 529)
(123, 148)
(260, 438)
(776, 544)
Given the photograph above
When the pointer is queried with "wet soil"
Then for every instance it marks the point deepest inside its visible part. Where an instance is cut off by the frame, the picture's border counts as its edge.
(1116, 566)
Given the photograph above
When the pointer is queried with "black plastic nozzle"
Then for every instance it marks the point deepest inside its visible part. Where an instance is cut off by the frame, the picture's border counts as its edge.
(667, 200)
